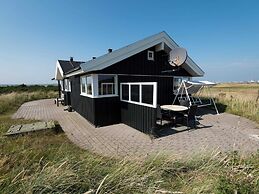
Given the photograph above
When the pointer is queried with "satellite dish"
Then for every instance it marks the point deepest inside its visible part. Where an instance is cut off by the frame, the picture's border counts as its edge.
(177, 56)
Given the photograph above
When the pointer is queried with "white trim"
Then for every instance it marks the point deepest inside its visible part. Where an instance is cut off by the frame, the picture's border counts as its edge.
(132, 49)
(59, 74)
(154, 84)
(77, 72)
(95, 86)
(67, 85)
(152, 58)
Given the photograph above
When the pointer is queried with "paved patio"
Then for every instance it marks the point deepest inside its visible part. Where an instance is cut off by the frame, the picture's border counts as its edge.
(224, 132)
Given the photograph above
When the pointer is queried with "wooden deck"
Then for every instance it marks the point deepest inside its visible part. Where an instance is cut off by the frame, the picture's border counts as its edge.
(224, 132)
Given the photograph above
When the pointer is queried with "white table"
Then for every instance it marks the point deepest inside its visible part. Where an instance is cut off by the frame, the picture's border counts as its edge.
(176, 108)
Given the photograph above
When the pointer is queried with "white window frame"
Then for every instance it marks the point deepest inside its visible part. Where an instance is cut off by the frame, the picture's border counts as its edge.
(95, 86)
(67, 85)
(154, 84)
(106, 95)
(85, 93)
(152, 58)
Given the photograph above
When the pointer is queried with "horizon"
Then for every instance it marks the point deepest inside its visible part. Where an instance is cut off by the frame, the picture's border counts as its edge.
(217, 37)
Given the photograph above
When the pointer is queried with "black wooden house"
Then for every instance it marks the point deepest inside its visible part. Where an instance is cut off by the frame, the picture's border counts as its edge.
(125, 85)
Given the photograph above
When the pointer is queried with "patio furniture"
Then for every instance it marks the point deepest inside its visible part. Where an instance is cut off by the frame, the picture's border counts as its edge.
(163, 115)
(175, 108)
(190, 116)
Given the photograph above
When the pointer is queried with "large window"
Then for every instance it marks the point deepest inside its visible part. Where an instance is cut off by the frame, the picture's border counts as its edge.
(67, 85)
(143, 93)
(106, 85)
(86, 85)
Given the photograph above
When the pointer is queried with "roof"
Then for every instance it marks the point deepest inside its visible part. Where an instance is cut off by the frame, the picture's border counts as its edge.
(132, 49)
(68, 66)
(64, 67)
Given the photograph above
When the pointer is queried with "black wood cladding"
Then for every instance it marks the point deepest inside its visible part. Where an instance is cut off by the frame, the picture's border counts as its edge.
(110, 110)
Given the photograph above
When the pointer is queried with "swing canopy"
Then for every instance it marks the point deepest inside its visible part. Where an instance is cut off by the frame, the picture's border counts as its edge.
(185, 92)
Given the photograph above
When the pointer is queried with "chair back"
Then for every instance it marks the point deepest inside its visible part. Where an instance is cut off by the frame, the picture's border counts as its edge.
(184, 103)
(158, 112)
(192, 111)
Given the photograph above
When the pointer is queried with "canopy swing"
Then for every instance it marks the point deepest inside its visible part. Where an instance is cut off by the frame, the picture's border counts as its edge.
(185, 92)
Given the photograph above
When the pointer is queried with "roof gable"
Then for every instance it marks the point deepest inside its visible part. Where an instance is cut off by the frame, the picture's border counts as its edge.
(132, 49)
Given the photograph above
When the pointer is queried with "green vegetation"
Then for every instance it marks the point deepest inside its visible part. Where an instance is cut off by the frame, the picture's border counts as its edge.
(47, 162)
(11, 97)
(238, 99)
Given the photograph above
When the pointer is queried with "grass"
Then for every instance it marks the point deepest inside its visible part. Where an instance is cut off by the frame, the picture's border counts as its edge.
(47, 162)
(238, 99)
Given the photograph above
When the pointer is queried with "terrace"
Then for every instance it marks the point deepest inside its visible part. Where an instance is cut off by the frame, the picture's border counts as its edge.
(224, 132)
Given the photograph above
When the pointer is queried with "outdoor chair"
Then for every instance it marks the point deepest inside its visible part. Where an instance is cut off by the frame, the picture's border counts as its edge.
(184, 103)
(163, 115)
(190, 116)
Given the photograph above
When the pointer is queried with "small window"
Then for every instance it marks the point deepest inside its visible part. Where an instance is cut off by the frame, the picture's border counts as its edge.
(125, 92)
(134, 93)
(67, 85)
(147, 94)
(89, 80)
(106, 84)
(86, 85)
(83, 83)
(150, 55)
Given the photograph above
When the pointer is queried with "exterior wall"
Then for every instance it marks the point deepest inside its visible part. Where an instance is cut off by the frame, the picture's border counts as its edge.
(142, 118)
(139, 65)
(67, 98)
(98, 111)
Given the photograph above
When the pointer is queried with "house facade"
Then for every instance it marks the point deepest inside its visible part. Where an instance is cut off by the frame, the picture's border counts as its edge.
(125, 85)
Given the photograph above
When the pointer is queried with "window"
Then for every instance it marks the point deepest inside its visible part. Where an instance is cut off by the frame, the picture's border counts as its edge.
(178, 81)
(86, 85)
(61, 85)
(67, 85)
(83, 84)
(147, 94)
(89, 80)
(125, 92)
(134, 96)
(150, 55)
(143, 93)
(106, 84)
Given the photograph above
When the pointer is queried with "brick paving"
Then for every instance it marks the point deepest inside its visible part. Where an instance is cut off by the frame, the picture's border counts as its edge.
(224, 132)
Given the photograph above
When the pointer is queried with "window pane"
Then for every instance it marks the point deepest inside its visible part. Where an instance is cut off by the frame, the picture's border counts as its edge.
(106, 84)
(135, 93)
(147, 94)
(89, 84)
(83, 83)
(125, 92)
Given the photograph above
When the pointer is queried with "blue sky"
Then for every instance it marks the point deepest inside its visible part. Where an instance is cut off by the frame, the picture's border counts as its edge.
(222, 37)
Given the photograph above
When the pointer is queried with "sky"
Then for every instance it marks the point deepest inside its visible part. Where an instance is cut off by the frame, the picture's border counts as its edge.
(222, 37)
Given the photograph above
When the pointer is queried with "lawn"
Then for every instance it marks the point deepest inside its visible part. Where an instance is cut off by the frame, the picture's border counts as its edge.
(47, 162)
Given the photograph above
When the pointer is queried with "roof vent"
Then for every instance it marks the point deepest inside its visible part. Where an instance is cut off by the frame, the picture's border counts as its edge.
(71, 59)
(109, 50)
(93, 57)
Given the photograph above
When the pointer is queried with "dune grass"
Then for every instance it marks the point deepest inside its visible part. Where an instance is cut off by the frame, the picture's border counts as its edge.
(47, 162)
(238, 99)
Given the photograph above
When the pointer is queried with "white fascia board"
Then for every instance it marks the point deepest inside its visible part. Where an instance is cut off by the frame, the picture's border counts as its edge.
(77, 72)
(59, 74)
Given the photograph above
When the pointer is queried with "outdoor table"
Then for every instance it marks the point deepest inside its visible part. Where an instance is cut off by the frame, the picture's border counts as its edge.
(175, 108)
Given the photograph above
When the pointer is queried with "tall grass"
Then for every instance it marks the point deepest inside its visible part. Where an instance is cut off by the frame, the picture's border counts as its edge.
(239, 99)
(11, 101)
(47, 162)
